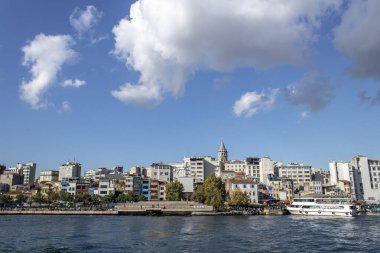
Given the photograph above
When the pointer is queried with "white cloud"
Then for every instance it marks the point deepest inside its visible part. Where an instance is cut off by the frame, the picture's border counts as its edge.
(142, 95)
(66, 107)
(45, 56)
(84, 20)
(169, 39)
(358, 37)
(313, 92)
(73, 83)
(251, 103)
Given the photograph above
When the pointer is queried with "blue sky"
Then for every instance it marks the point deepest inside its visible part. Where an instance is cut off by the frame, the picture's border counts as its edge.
(114, 85)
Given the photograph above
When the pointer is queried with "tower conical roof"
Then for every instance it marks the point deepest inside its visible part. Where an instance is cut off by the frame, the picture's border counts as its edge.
(222, 147)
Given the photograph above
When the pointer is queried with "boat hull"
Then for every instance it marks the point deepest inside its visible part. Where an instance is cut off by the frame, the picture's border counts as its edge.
(317, 212)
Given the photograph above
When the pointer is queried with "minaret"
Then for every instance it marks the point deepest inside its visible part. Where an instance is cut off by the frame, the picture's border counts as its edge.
(222, 153)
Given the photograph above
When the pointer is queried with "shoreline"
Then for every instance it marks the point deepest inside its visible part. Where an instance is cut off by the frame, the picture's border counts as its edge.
(147, 212)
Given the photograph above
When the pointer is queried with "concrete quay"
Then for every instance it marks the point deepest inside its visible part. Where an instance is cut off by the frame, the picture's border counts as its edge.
(162, 208)
(138, 208)
(56, 212)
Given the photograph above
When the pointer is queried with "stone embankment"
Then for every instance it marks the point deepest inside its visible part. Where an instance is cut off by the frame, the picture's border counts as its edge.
(56, 212)
(162, 208)
(138, 208)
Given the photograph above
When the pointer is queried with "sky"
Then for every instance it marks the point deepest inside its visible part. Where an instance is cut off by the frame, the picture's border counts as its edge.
(135, 82)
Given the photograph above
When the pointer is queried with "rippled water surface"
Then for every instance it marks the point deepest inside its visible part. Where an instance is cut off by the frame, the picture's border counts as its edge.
(188, 234)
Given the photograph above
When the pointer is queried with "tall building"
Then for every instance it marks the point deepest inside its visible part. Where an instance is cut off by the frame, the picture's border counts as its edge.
(360, 177)
(28, 170)
(339, 171)
(259, 169)
(299, 173)
(222, 153)
(49, 176)
(10, 178)
(365, 178)
(69, 170)
(201, 167)
(252, 170)
(162, 172)
(266, 170)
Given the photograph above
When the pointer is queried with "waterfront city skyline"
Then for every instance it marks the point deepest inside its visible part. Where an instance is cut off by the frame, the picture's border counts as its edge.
(136, 82)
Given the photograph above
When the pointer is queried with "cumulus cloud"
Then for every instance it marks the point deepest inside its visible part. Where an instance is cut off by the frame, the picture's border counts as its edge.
(313, 92)
(166, 41)
(76, 83)
(364, 98)
(84, 20)
(66, 107)
(251, 103)
(45, 56)
(142, 95)
(358, 37)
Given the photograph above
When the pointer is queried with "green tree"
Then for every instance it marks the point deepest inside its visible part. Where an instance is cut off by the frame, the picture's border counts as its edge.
(52, 196)
(122, 198)
(5, 199)
(86, 198)
(212, 192)
(65, 196)
(238, 198)
(20, 199)
(141, 198)
(131, 197)
(174, 191)
(97, 199)
(109, 198)
(199, 195)
(38, 198)
(79, 197)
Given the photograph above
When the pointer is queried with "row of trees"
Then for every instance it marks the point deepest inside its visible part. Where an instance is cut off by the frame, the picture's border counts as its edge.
(55, 197)
(212, 192)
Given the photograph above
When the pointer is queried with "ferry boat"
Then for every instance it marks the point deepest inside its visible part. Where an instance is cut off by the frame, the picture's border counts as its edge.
(323, 206)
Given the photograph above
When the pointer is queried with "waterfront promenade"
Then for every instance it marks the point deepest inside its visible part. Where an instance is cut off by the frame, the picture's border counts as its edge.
(138, 208)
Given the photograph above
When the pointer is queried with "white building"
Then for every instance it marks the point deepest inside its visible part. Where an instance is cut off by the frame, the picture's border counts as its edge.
(339, 171)
(106, 187)
(180, 169)
(202, 167)
(259, 169)
(235, 165)
(245, 185)
(266, 166)
(162, 172)
(365, 178)
(188, 184)
(69, 170)
(96, 174)
(49, 176)
(299, 173)
(28, 170)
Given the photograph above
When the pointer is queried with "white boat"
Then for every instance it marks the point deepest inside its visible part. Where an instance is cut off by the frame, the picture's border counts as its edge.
(323, 206)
